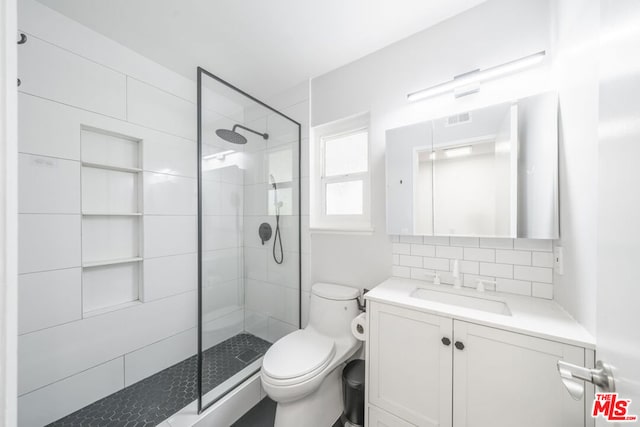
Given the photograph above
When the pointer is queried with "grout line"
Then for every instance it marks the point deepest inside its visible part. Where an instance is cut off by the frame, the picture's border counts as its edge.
(53, 269)
(174, 255)
(114, 69)
(174, 215)
(82, 305)
(50, 157)
(126, 98)
(47, 271)
(79, 319)
(50, 213)
(124, 370)
(28, 153)
(171, 93)
(108, 312)
(72, 52)
(109, 117)
(70, 376)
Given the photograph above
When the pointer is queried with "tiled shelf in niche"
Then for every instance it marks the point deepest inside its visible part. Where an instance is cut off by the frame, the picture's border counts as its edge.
(110, 287)
(109, 191)
(111, 221)
(109, 167)
(104, 149)
(109, 309)
(110, 237)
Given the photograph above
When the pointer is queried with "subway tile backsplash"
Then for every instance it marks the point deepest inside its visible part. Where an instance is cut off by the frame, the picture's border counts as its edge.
(518, 266)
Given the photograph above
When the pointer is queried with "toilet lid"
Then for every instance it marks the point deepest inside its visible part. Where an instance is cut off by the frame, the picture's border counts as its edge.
(298, 354)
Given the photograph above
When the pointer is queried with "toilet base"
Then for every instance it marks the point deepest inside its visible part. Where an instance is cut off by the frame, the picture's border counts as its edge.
(319, 409)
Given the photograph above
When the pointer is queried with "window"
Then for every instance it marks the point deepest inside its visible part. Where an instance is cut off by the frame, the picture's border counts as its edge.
(280, 171)
(341, 176)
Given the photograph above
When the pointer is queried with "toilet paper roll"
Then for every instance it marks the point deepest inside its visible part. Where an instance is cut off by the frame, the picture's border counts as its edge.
(359, 327)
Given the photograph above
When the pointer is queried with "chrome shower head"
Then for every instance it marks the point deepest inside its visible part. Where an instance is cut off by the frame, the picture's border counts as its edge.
(234, 137)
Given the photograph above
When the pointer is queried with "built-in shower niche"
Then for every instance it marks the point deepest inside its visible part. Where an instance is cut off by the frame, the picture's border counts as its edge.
(111, 221)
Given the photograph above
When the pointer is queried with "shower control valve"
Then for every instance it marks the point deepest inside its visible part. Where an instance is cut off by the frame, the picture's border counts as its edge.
(264, 231)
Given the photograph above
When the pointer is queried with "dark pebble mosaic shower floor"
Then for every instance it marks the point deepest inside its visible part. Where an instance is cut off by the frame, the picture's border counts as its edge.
(149, 402)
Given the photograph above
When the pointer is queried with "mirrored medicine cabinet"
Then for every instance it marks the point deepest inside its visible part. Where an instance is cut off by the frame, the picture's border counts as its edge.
(490, 172)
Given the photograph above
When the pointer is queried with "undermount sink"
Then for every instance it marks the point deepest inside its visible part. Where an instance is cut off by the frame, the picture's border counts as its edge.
(475, 303)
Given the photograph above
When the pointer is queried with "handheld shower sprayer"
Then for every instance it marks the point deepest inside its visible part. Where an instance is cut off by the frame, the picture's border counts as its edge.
(277, 204)
(277, 238)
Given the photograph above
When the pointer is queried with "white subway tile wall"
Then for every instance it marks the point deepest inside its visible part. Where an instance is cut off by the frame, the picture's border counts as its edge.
(518, 266)
(72, 104)
(67, 93)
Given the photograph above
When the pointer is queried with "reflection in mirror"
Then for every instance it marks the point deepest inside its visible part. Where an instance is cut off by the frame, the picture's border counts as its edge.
(538, 205)
(423, 192)
(474, 170)
(280, 168)
(491, 172)
(409, 193)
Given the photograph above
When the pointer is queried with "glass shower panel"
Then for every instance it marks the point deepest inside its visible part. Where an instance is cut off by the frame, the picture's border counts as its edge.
(249, 233)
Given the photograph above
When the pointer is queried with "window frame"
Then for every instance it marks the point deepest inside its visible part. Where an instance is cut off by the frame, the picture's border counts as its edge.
(320, 220)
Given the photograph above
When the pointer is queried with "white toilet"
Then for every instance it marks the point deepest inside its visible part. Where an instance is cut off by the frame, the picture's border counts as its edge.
(302, 371)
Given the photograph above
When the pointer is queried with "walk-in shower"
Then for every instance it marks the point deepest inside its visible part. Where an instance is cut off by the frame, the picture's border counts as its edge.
(249, 281)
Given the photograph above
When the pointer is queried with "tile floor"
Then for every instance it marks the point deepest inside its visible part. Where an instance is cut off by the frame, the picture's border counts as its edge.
(263, 415)
(149, 402)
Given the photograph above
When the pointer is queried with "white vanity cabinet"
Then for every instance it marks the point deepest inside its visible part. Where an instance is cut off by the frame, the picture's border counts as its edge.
(430, 370)
(380, 418)
(409, 368)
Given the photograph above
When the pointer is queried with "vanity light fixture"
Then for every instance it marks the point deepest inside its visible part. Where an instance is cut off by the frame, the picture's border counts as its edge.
(458, 151)
(474, 78)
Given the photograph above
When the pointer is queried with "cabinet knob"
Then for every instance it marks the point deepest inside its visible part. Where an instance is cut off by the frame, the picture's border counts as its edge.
(459, 345)
(446, 341)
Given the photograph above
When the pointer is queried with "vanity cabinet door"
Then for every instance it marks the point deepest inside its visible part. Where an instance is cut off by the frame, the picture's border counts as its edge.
(507, 379)
(410, 365)
(380, 418)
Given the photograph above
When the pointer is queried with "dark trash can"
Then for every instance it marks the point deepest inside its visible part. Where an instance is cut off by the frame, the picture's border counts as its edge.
(353, 392)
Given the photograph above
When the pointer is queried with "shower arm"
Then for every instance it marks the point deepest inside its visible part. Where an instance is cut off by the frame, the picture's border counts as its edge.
(264, 135)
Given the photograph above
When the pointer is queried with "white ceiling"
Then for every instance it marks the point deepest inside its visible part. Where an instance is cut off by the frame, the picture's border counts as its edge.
(262, 46)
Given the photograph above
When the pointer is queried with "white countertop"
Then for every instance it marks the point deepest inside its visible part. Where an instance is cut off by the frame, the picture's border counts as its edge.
(531, 316)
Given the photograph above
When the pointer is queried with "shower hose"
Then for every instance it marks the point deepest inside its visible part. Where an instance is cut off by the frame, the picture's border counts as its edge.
(277, 240)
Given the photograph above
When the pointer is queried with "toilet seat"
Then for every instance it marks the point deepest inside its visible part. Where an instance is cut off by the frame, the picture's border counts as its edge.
(297, 357)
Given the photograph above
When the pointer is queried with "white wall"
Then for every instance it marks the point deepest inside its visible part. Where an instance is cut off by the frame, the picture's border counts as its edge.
(72, 78)
(617, 331)
(8, 214)
(576, 32)
(492, 33)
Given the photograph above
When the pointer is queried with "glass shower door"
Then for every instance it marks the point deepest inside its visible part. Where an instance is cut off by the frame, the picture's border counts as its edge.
(249, 234)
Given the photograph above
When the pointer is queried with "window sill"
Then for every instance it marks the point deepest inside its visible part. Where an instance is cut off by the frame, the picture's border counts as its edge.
(351, 231)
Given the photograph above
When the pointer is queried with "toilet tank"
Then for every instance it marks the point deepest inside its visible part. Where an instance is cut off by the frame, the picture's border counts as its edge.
(332, 308)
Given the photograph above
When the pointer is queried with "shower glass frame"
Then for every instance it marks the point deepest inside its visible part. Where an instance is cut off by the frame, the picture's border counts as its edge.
(200, 73)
